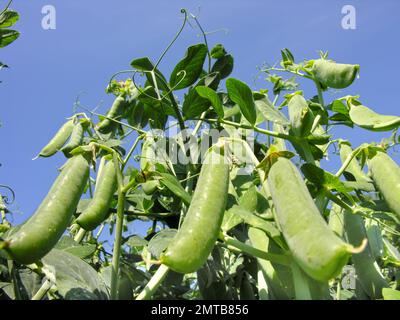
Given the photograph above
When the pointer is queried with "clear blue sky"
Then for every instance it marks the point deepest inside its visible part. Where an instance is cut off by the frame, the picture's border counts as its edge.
(94, 39)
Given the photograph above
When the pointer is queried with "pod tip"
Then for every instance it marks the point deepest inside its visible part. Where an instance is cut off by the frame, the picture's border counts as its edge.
(360, 248)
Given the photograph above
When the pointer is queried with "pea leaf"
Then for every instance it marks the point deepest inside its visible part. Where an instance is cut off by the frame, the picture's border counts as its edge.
(194, 104)
(188, 70)
(173, 184)
(213, 97)
(323, 179)
(390, 294)
(144, 64)
(223, 66)
(218, 51)
(264, 106)
(8, 18)
(241, 94)
(7, 36)
(160, 241)
(75, 279)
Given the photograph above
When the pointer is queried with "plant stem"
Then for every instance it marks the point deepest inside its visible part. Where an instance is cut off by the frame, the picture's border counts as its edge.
(80, 234)
(154, 283)
(11, 270)
(257, 129)
(321, 102)
(249, 250)
(131, 151)
(42, 290)
(118, 231)
(346, 163)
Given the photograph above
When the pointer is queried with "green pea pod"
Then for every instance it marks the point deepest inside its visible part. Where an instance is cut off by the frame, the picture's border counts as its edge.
(386, 175)
(106, 125)
(193, 243)
(75, 140)
(148, 156)
(98, 208)
(316, 248)
(149, 187)
(353, 168)
(58, 140)
(334, 75)
(368, 274)
(38, 235)
(300, 115)
(336, 220)
(368, 119)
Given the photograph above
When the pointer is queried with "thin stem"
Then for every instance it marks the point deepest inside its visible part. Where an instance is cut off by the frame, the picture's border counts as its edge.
(249, 250)
(205, 41)
(7, 6)
(321, 102)
(11, 270)
(257, 129)
(131, 151)
(42, 290)
(154, 283)
(118, 231)
(173, 40)
(80, 234)
(347, 162)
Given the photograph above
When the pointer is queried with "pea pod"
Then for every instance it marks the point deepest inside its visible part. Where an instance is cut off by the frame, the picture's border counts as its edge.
(58, 140)
(368, 274)
(353, 168)
(75, 140)
(106, 125)
(334, 75)
(38, 235)
(386, 175)
(193, 243)
(98, 208)
(336, 220)
(301, 116)
(148, 156)
(368, 119)
(316, 248)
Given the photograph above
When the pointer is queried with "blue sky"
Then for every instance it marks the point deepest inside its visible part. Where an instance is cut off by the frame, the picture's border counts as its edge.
(94, 39)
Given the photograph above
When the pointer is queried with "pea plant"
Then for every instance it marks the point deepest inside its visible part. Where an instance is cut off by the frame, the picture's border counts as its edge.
(230, 183)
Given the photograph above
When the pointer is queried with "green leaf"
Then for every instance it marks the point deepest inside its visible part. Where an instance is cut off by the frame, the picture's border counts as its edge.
(82, 251)
(144, 64)
(390, 294)
(75, 279)
(223, 66)
(213, 97)
(265, 107)
(188, 70)
(8, 18)
(194, 104)
(218, 51)
(136, 241)
(7, 36)
(230, 221)
(241, 94)
(173, 184)
(323, 179)
(160, 241)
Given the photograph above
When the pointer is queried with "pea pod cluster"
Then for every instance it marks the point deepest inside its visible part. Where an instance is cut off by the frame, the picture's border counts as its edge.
(316, 248)
(37, 236)
(99, 206)
(194, 241)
